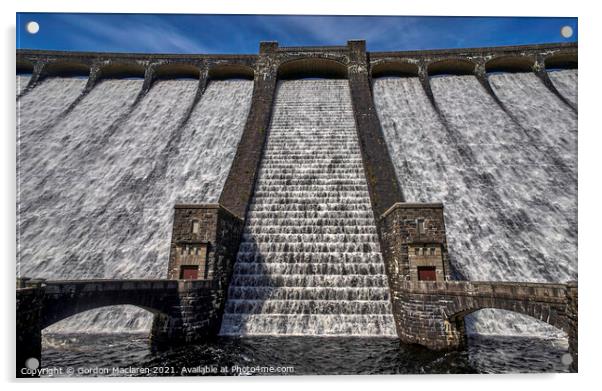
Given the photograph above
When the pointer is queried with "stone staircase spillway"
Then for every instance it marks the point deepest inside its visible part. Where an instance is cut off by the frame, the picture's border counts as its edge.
(309, 262)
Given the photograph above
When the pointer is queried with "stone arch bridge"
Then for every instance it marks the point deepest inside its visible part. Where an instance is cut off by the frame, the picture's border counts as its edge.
(184, 310)
(431, 313)
(428, 313)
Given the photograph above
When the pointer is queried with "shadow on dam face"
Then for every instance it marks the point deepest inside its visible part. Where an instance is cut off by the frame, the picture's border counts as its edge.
(455, 66)
(312, 68)
(395, 68)
(510, 64)
(562, 60)
(231, 71)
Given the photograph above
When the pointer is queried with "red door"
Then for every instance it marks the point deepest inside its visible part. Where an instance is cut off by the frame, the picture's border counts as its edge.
(189, 272)
(427, 273)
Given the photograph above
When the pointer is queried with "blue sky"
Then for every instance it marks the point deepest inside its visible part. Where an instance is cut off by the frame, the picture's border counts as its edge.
(173, 33)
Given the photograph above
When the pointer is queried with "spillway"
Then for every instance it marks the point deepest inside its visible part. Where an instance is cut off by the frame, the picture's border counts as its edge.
(565, 81)
(97, 188)
(509, 189)
(22, 81)
(309, 262)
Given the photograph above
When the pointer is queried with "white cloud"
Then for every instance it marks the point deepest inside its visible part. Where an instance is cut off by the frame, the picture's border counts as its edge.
(140, 33)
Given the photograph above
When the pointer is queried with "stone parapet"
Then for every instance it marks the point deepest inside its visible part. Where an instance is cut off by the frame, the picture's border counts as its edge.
(184, 311)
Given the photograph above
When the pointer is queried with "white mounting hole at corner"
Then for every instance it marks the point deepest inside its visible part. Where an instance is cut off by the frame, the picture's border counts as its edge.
(566, 31)
(32, 27)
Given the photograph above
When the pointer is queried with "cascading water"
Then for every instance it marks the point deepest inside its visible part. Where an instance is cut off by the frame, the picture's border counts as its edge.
(509, 191)
(565, 82)
(22, 81)
(37, 111)
(309, 262)
(97, 188)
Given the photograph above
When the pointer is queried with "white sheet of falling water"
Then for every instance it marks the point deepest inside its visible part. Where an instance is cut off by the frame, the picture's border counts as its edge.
(565, 81)
(98, 204)
(509, 207)
(35, 111)
(22, 81)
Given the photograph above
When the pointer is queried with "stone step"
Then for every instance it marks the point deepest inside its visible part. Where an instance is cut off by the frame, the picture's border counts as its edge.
(350, 325)
(309, 238)
(301, 175)
(307, 307)
(310, 229)
(302, 293)
(311, 158)
(315, 247)
(311, 203)
(308, 257)
(312, 214)
(272, 187)
(310, 281)
(244, 268)
(308, 193)
(312, 222)
(313, 182)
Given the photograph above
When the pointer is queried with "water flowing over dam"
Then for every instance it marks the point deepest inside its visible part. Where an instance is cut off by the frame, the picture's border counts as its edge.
(309, 262)
(97, 186)
(566, 82)
(510, 189)
(298, 176)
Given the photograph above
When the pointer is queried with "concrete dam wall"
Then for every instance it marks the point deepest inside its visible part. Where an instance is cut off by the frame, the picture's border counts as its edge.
(109, 143)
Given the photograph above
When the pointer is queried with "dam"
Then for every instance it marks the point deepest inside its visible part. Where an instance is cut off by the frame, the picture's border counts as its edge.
(322, 189)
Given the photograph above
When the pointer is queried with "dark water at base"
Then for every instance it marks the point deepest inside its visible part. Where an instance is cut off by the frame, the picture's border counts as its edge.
(100, 355)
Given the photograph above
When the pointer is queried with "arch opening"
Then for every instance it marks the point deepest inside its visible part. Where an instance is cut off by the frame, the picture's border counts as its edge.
(561, 61)
(66, 69)
(121, 71)
(455, 67)
(530, 340)
(231, 71)
(178, 71)
(395, 69)
(503, 322)
(123, 318)
(512, 64)
(312, 68)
